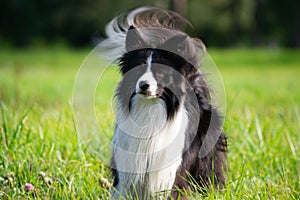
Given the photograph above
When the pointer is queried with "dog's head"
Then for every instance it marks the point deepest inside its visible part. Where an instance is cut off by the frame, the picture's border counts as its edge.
(156, 69)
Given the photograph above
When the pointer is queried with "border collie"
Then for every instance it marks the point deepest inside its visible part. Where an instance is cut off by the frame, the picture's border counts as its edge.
(168, 135)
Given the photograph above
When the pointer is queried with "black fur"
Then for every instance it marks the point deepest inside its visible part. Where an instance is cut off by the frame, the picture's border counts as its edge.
(209, 169)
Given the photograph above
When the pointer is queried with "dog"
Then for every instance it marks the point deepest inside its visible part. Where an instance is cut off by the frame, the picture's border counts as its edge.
(168, 136)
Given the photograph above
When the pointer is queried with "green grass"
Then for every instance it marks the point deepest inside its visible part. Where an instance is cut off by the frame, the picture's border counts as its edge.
(38, 137)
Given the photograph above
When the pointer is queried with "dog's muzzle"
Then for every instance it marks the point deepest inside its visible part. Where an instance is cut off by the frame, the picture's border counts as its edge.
(147, 89)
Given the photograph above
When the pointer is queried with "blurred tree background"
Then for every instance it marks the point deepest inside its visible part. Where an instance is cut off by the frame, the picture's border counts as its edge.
(274, 23)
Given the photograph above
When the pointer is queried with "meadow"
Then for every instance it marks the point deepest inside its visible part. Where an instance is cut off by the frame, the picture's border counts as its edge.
(39, 144)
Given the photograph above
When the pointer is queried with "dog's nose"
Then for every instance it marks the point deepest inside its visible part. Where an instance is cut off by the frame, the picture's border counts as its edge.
(143, 85)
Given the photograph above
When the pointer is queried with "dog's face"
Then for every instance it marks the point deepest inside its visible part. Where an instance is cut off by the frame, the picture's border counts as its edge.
(152, 73)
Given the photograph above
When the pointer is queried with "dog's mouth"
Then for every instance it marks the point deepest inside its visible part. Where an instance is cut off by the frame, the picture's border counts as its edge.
(148, 94)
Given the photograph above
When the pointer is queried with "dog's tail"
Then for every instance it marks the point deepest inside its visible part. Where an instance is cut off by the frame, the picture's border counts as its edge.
(144, 17)
(155, 25)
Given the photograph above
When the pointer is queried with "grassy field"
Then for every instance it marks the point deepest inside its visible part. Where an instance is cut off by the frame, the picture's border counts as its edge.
(39, 144)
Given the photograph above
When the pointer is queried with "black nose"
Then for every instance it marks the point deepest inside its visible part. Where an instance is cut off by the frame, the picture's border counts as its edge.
(144, 85)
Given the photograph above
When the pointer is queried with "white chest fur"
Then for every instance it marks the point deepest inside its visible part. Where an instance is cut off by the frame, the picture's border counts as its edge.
(148, 148)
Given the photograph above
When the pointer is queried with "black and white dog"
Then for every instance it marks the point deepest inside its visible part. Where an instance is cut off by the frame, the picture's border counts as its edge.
(168, 135)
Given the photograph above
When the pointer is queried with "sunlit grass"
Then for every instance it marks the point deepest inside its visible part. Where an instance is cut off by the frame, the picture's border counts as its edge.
(39, 143)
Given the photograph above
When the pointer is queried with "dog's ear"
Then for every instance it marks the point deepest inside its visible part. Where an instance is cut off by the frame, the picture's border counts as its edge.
(134, 40)
(175, 44)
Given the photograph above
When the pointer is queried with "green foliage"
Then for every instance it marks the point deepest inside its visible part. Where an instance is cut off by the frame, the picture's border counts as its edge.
(218, 22)
(39, 144)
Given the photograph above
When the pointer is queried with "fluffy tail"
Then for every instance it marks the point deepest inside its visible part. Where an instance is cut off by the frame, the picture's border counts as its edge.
(145, 17)
(156, 26)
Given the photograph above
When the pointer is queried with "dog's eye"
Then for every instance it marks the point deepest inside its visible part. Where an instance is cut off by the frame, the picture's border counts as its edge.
(160, 75)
